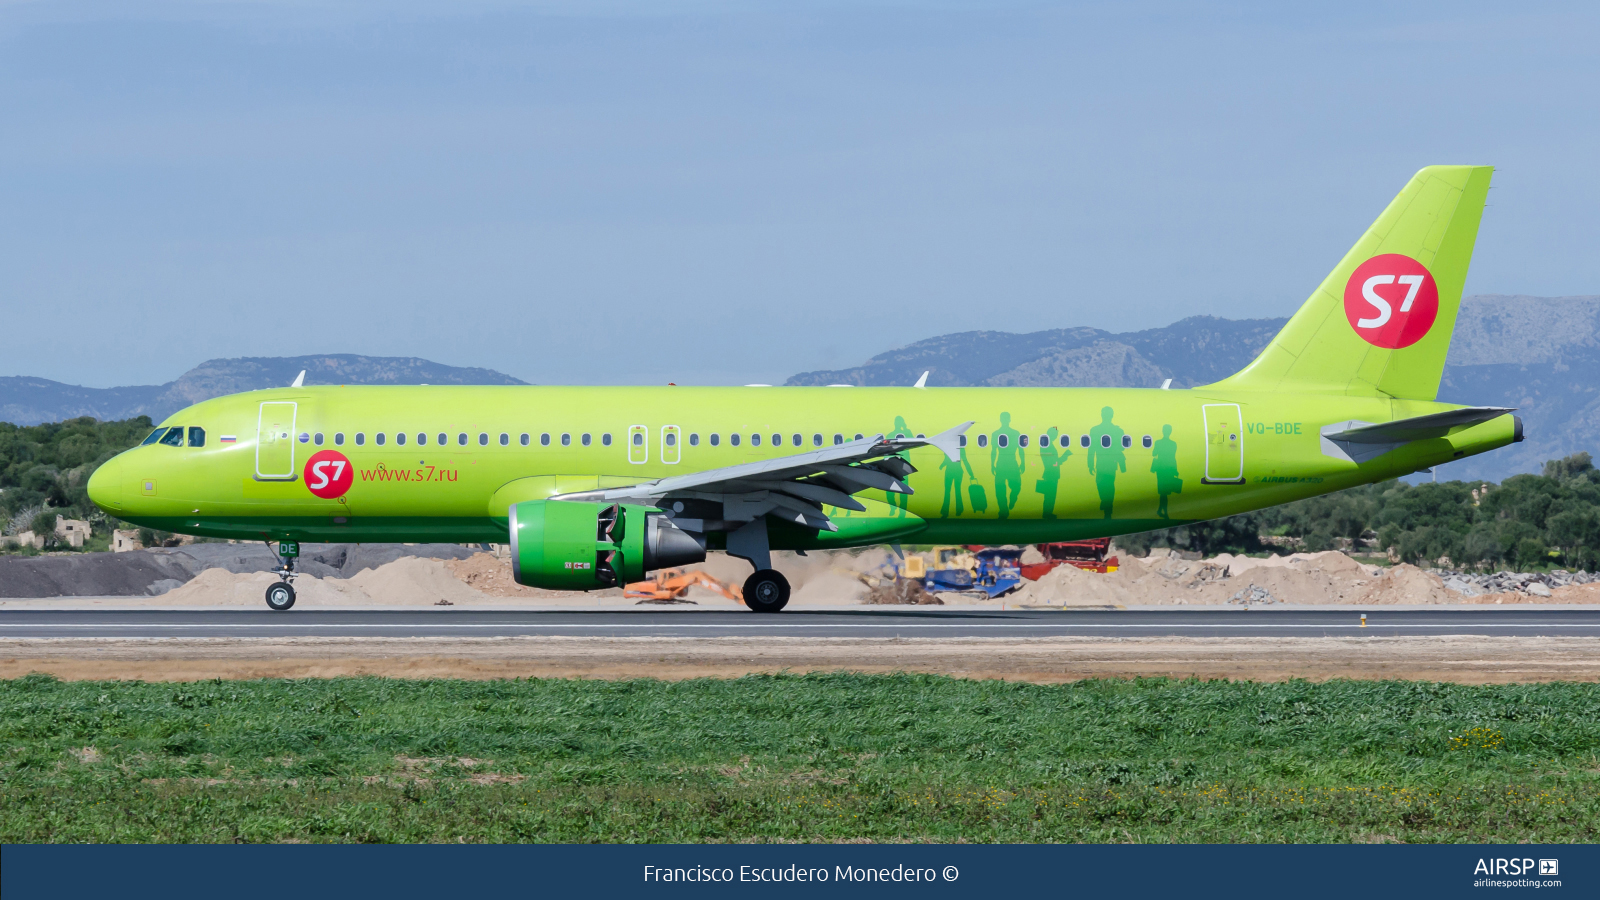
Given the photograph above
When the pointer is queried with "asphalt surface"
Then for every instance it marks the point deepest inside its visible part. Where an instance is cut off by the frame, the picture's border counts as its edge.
(852, 623)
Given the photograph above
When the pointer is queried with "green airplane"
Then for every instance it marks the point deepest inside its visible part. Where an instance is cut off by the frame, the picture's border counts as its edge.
(593, 487)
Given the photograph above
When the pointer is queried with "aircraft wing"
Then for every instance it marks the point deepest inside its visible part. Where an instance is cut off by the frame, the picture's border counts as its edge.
(1361, 441)
(792, 487)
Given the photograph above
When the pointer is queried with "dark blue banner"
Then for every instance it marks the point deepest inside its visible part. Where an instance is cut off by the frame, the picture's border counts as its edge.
(446, 871)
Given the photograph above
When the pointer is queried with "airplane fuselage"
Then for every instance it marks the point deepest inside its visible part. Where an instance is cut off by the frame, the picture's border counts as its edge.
(444, 463)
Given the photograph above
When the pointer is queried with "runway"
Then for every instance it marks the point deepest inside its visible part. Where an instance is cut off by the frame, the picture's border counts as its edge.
(920, 624)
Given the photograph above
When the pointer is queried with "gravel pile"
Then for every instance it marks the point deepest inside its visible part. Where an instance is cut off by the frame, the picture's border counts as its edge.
(1254, 595)
(156, 571)
(1538, 584)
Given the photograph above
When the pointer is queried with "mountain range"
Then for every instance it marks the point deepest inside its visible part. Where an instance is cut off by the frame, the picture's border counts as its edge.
(29, 401)
(1539, 354)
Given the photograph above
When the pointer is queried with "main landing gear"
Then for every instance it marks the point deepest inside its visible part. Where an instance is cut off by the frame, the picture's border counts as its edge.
(280, 596)
(766, 591)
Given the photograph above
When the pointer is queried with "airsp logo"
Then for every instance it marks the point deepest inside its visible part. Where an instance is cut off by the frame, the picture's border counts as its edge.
(328, 474)
(1391, 301)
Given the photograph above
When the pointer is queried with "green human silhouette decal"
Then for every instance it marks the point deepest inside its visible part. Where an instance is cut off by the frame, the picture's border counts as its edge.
(1007, 461)
(952, 480)
(1164, 462)
(1106, 458)
(1050, 459)
(899, 501)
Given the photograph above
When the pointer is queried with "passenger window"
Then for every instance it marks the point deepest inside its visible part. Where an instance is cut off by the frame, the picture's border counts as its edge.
(1022, 440)
(461, 439)
(1105, 440)
(961, 441)
(1001, 440)
(544, 439)
(153, 436)
(483, 439)
(1044, 440)
(197, 437)
(983, 440)
(586, 439)
(715, 439)
(505, 439)
(638, 439)
(1127, 441)
(444, 439)
(816, 440)
(672, 439)
(694, 439)
(733, 439)
(838, 439)
(173, 437)
(798, 440)
(361, 438)
(566, 440)
(777, 440)
(338, 439)
(1146, 442)
(605, 439)
(755, 440)
(422, 439)
(378, 439)
(317, 439)
(400, 438)
(523, 439)
(858, 437)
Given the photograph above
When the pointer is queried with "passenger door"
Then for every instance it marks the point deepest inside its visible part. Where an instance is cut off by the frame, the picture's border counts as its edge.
(275, 441)
(1224, 444)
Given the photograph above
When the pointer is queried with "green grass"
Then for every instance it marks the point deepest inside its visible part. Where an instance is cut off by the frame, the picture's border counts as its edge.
(797, 758)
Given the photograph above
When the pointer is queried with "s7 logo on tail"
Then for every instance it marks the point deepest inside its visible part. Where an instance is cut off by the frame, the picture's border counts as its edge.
(1372, 312)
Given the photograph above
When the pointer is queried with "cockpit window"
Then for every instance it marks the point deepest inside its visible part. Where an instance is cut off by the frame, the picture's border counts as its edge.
(154, 436)
(173, 437)
(197, 436)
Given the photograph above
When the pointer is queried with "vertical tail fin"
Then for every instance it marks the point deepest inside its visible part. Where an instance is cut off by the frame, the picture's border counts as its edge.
(1380, 323)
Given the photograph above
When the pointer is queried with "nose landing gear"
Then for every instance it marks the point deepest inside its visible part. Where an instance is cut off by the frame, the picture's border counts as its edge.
(280, 596)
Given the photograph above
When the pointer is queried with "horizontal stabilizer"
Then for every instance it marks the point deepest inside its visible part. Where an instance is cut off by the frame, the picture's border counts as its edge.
(1361, 441)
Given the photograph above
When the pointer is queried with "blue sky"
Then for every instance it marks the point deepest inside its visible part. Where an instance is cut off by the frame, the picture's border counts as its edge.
(735, 192)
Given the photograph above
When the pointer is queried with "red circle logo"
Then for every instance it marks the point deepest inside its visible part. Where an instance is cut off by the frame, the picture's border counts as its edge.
(1391, 301)
(328, 474)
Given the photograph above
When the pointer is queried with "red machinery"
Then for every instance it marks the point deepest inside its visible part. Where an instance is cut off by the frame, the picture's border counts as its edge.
(1088, 555)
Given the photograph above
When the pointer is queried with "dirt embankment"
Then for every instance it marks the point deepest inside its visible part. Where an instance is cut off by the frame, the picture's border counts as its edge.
(1304, 578)
(1464, 660)
(349, 576)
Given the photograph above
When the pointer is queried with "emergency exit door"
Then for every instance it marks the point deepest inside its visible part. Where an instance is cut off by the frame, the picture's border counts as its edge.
(275, 441)
(671, 438)
(1224, 444)
(638, 444)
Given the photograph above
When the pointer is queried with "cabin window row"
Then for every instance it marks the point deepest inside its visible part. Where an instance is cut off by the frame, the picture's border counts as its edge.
(1065, 440)
(462, 439)
(178, 436)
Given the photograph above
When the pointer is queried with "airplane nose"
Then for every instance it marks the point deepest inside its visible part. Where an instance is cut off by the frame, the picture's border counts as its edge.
(105, 485)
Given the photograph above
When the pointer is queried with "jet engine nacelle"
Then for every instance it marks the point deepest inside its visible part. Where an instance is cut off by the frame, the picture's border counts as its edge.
(566, 545)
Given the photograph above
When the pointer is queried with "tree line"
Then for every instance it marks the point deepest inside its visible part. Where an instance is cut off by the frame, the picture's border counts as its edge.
(45, 469)
(1526, 522)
